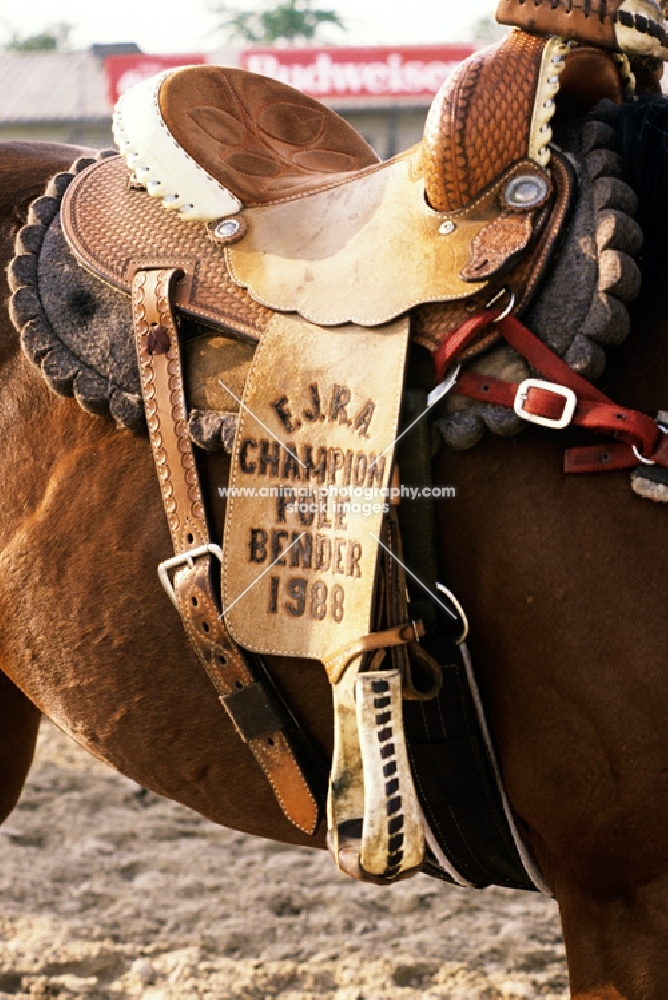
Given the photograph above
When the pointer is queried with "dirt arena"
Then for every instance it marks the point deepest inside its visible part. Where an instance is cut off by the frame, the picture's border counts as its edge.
(109, 892)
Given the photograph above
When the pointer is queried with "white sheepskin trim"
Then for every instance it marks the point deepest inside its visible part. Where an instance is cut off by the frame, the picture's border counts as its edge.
(159, 163)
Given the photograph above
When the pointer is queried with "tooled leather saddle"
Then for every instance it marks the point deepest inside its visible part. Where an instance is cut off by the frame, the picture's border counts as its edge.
(246, 205)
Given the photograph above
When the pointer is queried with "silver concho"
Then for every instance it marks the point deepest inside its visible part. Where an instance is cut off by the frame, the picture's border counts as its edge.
(525, 191)
(227, 228)
(230, 230)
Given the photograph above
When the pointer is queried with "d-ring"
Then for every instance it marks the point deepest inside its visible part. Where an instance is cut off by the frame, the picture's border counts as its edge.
(509, 308)
(641, 458)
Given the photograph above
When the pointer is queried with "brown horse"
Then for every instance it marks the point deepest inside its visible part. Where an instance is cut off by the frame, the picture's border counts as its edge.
(563, 579)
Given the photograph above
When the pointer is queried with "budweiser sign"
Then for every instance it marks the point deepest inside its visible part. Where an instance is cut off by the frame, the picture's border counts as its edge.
(415, 71)
(124, 71)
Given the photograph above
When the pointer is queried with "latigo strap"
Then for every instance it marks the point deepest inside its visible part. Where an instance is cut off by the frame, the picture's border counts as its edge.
(567, 398)
(188, 576)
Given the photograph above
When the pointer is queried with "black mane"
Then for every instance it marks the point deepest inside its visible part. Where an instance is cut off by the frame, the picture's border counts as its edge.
(643, 130)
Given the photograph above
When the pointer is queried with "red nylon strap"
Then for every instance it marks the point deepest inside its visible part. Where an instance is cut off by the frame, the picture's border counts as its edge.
(526, 343)
(594, 409)
(630, 426)
(598, 458)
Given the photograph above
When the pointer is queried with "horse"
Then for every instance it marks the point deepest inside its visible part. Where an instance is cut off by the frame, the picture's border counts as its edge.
(563, 579)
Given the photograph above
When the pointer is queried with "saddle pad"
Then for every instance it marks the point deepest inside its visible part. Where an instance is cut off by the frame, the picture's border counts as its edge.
(366, 250)
(320, 415)
(114, 229)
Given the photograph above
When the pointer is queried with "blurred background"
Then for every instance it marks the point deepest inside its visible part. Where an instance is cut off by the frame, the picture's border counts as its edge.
(64, 63)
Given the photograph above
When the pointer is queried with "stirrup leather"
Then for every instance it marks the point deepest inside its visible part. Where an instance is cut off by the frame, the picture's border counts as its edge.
(241, 694)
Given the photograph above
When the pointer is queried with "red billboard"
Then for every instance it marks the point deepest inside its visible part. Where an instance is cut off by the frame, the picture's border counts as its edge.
(371, 73)
(126, 70)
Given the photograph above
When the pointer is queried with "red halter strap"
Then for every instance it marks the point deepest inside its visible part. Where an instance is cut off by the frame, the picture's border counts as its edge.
(565, 398)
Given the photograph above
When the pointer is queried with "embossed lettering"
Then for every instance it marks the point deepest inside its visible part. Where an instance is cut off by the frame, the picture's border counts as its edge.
(335, 463)
(318, 470)
(376, 470)
(301, 553)
(314, 412)
(285, 499)
(318, 600)
(307, 512)
(269, 458)
(258, 545)
(340, 520)
(354, 556)
(339, 555)
(359, 469)
(323, 520)
(283, 413)
(244, 464)
(348, 468)
(338, 595)
(363, 419)
(323, 552)
(297, 593)
(290, 463)
(340, 399)
(273, 595)
(277, 538)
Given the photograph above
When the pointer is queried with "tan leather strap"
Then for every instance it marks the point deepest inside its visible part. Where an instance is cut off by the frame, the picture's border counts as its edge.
(338, 662)
(244, 698)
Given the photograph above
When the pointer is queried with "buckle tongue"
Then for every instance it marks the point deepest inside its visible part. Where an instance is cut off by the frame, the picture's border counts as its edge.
(556, 423)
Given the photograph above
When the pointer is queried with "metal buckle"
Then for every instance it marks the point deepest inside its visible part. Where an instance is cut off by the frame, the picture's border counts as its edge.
(185, 558)
(569, 397)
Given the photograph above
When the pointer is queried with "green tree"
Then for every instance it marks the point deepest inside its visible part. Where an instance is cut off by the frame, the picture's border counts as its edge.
(290, 21)
(51, 39)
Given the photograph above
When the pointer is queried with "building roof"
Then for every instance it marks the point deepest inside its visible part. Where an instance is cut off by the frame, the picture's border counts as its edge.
(52, 87)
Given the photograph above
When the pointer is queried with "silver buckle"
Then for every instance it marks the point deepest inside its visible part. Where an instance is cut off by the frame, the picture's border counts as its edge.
(185, 558)
(569, 397)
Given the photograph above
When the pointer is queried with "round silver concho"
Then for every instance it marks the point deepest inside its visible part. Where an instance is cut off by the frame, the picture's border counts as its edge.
(525, 191)
(230, 230)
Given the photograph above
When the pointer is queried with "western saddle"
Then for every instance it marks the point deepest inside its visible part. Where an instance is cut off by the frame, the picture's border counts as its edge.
(283, 229)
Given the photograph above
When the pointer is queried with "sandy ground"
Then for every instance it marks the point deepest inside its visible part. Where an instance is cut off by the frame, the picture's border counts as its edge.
(110, 892)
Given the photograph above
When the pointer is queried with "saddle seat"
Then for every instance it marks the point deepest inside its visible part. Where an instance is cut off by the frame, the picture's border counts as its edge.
(209, 139)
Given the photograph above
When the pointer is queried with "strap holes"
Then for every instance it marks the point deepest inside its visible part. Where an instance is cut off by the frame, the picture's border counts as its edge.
(485, 387)
(194, 601)
(238, 685)
(206, 627)
(223, 660)
(190, 538)
(270, 741)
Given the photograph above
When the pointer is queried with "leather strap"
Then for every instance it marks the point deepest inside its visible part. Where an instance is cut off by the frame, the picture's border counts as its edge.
(244, 698)
(632, 427)
(593, 410)
(338, 662)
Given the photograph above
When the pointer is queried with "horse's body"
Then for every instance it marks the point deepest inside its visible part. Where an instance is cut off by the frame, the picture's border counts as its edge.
(562, 578)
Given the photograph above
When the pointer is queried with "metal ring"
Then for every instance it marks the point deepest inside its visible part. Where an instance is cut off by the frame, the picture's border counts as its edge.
(641, 458)
(509, 308)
